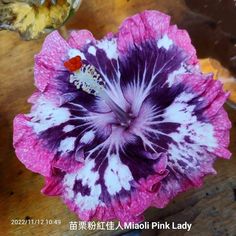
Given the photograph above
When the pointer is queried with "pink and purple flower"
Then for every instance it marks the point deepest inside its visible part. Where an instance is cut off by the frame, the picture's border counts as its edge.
(123, 123)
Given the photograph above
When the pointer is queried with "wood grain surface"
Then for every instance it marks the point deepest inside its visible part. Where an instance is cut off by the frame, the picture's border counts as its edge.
(211, 209)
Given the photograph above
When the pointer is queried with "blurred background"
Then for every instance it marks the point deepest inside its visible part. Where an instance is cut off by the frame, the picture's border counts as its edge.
(211, 209)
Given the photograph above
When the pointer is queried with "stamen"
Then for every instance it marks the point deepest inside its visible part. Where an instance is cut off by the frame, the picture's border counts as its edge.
(91, 82)
(88, 80)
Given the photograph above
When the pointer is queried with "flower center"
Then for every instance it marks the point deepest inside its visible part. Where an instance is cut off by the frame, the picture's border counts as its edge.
(87, 79)
(124, 118)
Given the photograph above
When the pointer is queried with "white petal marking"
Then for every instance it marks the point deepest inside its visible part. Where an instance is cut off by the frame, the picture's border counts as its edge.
(172, 76)
(110, 47)
(117, 175)
(89, 178)
(164, 42)
(87, 137)
(180, 112)
(68, 128)
(75, 52)
(46, 115)
(67, 145)
(92, 50)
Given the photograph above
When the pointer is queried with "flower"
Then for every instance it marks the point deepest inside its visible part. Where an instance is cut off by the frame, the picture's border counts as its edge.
(122, 123)
(32, 18)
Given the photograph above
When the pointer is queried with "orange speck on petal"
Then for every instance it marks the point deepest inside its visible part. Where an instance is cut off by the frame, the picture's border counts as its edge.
(73, 64)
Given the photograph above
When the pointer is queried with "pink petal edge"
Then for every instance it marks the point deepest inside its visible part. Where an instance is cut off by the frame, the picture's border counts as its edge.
(24, 141)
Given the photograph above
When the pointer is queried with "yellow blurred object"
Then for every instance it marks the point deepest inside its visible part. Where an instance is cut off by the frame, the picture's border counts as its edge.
(32, 18)
(209, 65)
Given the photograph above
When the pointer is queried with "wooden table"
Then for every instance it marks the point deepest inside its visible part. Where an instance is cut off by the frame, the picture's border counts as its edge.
(211, 209)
